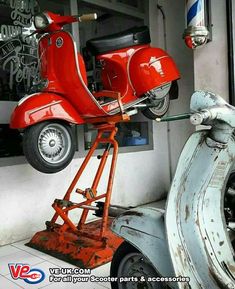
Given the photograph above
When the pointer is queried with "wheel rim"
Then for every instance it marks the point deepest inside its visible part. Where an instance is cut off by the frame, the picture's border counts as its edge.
(161, 106)
(54, 143)
(136, 265)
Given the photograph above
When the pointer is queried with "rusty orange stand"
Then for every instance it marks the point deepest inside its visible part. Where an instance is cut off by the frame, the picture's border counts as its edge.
(91, 244)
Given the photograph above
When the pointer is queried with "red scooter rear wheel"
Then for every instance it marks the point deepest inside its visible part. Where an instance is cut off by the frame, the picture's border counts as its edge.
(159, 110)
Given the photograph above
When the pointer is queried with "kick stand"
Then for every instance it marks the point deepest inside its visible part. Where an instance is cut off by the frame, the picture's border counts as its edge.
(86, 244)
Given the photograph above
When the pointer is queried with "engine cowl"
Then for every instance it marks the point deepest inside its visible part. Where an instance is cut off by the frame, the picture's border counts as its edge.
(151, 68)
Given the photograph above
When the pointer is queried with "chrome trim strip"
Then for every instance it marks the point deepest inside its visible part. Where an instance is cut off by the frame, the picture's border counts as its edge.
(157, 59)
(23, 99)
(126, 106)
(128, 69)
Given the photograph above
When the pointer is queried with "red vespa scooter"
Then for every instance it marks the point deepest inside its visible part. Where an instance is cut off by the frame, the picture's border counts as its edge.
(134, 76)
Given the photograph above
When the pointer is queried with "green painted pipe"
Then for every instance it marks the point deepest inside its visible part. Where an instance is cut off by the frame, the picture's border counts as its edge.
(174, 117)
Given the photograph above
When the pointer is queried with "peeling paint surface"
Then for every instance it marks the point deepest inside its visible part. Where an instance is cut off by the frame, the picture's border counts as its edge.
(197, 235)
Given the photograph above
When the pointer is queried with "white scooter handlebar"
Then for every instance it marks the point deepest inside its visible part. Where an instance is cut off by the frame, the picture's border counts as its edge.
(207, 106)
(199, 118)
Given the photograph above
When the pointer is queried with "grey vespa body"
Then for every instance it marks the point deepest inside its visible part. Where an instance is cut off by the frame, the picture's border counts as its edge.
(189, 238)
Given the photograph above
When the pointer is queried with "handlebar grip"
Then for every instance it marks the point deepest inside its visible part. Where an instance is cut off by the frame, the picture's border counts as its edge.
(200, 117)
(88, 17)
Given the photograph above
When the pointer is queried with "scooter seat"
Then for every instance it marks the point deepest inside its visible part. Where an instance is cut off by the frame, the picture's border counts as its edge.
(130, 37)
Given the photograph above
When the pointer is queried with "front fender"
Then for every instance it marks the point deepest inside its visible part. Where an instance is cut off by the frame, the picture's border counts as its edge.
(43, 106)
(144, 228)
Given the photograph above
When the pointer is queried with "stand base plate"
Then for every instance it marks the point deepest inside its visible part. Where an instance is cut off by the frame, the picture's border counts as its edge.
(78, 250)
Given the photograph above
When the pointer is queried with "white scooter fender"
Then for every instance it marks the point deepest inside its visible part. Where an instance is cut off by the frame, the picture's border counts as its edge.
(144, 228)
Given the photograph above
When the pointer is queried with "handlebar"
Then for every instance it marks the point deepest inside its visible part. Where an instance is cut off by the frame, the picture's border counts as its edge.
(209, 109)
(196, 119)
(202, 116)
(87, 17)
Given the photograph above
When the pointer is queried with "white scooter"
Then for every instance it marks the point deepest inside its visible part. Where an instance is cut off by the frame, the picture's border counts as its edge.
(190, 243)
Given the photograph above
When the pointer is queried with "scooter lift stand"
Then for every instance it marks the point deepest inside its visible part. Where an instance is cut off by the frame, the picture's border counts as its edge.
(86, 244)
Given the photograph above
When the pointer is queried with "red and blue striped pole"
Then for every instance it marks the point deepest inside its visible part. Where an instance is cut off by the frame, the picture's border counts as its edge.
(196, 33)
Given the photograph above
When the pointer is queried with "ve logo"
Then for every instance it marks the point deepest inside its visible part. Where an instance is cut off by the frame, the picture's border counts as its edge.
(24, 272)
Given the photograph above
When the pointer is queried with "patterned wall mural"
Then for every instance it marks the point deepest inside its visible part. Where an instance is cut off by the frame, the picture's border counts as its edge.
(18, 49)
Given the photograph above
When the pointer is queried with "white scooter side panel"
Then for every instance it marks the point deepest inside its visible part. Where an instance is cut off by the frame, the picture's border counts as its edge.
(196, 230)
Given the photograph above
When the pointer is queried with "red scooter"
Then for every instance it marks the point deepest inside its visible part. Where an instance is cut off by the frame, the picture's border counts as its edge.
(134, 76)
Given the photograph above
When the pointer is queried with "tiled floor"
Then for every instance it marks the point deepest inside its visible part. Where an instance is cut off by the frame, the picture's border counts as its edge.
(18, 253)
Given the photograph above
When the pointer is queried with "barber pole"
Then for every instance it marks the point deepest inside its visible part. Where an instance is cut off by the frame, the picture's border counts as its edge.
(196, 33)
(195, 12)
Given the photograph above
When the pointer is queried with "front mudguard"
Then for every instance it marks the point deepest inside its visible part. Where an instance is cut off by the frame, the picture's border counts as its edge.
(43, 106)
(144, 228)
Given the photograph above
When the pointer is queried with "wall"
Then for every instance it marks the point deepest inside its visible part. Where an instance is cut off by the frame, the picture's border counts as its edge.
(26, 195)
(179, 131)
(210, 62)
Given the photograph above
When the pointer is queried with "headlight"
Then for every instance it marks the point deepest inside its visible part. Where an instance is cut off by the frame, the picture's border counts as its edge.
(41, 21)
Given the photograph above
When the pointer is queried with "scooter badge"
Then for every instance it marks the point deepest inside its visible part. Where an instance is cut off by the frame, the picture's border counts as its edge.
(59, 42)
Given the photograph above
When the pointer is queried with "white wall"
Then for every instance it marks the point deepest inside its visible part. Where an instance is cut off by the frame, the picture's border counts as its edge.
(26, 195)
(210, 62)
(179, 131)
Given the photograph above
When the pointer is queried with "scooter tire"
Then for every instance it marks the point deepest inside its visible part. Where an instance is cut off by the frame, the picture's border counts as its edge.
(32, 153)
(123, 250)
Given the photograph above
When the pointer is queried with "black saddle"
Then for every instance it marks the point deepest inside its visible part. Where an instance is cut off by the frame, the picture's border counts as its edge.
(130, 37)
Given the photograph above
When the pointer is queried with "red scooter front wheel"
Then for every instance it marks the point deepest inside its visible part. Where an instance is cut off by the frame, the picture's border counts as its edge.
(49, 146)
